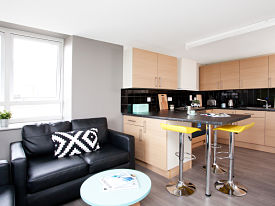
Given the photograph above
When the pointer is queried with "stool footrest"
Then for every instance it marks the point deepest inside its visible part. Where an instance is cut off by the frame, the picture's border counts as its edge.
(222, 157)
(190, 156)
(218, 146)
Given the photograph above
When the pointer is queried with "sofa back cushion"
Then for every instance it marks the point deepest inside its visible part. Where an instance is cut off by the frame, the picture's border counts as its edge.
(86, 124)
(37, 138)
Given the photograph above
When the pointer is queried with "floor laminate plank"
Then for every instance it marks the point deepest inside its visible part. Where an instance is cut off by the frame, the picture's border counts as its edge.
(254, 169)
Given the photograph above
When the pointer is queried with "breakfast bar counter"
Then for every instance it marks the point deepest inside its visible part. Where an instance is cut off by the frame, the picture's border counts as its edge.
(197, 118)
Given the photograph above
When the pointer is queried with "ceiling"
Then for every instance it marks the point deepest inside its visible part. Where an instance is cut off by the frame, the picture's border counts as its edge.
(159, 25)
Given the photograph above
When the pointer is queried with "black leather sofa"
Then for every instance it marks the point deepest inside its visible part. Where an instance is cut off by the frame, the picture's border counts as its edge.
(6, 189)
(40, 179)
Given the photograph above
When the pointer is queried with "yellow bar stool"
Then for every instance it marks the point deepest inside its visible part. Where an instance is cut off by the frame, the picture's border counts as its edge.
(181, 188)
(228, 186)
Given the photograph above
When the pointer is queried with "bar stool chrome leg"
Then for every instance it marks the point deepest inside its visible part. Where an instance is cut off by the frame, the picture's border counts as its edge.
(228, 186)
(216, 169)
(181, 188)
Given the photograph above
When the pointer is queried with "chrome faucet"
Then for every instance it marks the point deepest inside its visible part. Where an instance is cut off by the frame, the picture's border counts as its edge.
(266, 103)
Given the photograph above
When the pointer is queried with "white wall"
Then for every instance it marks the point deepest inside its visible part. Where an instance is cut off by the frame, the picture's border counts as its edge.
(188, 74)
(97, 72)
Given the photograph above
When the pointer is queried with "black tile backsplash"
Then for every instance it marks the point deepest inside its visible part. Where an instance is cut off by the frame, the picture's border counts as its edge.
(241, 97)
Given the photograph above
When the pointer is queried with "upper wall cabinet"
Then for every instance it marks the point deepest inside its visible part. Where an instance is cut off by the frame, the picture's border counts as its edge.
(230, 75)
(254, 73)
(145, 69)
(210, 77)
(167, 72)
(271, 71)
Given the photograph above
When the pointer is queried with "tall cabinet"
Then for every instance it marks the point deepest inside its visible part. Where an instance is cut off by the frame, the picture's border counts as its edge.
(146, 69)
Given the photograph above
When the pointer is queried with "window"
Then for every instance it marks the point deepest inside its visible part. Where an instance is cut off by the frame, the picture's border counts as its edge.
(31, 76)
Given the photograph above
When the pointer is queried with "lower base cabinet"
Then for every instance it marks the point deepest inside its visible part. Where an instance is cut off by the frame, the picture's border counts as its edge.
(256, 134)
(150, 140)
(155, 148)
(270, 129)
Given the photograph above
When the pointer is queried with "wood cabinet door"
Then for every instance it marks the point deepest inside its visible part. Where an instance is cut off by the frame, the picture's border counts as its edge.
(210, 77)
(167, 72)
(230, 75)
(144, 69)
(254, 73)
(254, 135)
(270, 129)
(138, 132)
(155, 143)
(271, 71)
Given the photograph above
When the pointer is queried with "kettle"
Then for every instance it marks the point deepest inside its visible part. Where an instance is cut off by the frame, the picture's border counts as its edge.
(230, 103)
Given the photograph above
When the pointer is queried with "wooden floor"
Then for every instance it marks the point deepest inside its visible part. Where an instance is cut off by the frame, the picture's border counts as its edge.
(254, 169)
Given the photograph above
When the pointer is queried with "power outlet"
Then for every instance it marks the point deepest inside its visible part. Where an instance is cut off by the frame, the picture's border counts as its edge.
(148, 99)
(170, 99)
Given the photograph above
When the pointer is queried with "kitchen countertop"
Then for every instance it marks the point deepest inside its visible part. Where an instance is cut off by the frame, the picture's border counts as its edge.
(244, 108)
(184, 117)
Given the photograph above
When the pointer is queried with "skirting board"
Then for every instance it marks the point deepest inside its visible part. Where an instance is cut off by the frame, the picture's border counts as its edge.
(249, 146)
(165, 173)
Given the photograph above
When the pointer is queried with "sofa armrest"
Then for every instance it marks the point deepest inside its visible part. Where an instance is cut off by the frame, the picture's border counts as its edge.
(4, 172)
(125, 142)
(19, 171)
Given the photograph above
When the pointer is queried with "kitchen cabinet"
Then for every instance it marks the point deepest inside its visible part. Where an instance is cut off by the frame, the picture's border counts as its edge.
(271, 71)
(254, 73)
(135, 126)
(230, 75)
(155, 144)
(210, 77)
(150, 140)
(167, 72)
(270, 129)
(146, 69)
(256, 134)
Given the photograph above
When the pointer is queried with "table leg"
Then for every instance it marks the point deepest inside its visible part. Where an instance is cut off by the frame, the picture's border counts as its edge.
(208, 160)
(136, 204)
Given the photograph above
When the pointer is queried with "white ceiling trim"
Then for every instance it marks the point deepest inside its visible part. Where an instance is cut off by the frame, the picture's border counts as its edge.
(236, 32)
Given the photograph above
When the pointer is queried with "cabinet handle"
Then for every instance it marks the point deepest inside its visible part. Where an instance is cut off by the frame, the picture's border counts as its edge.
(156, 82)
(159, 82)
(221, 84)
(218, 85)
(144, 126)
(241, 84)
(140, 135)
(129, 120)
(269, 82)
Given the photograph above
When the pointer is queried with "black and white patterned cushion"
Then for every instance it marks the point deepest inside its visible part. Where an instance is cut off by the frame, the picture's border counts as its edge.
(75, 142)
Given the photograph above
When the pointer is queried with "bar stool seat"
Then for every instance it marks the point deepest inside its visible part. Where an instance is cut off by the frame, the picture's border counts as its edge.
(181, 188)
(228, 186)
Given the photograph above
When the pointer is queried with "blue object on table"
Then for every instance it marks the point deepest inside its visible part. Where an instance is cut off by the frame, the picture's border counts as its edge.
(93, 194)
(140, 108)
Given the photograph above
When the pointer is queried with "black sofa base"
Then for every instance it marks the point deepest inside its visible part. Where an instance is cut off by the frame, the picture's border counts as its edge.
(62, 193)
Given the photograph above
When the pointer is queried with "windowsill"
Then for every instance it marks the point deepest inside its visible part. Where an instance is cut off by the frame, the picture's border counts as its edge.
(15, 126)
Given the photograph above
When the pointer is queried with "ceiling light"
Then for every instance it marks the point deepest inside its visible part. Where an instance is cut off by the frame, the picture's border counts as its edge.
(232, 33)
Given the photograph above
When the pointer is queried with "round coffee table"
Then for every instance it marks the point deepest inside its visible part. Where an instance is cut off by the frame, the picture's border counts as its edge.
(93, 194)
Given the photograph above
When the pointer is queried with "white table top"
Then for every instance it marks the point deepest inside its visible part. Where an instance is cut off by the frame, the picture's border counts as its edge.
(93, 194)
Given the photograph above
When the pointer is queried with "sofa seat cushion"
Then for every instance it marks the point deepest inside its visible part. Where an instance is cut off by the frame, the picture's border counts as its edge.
(106, 157)
(45, 172)
(7, 195)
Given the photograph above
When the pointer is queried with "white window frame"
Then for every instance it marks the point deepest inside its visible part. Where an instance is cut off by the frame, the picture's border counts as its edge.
(7, 74)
